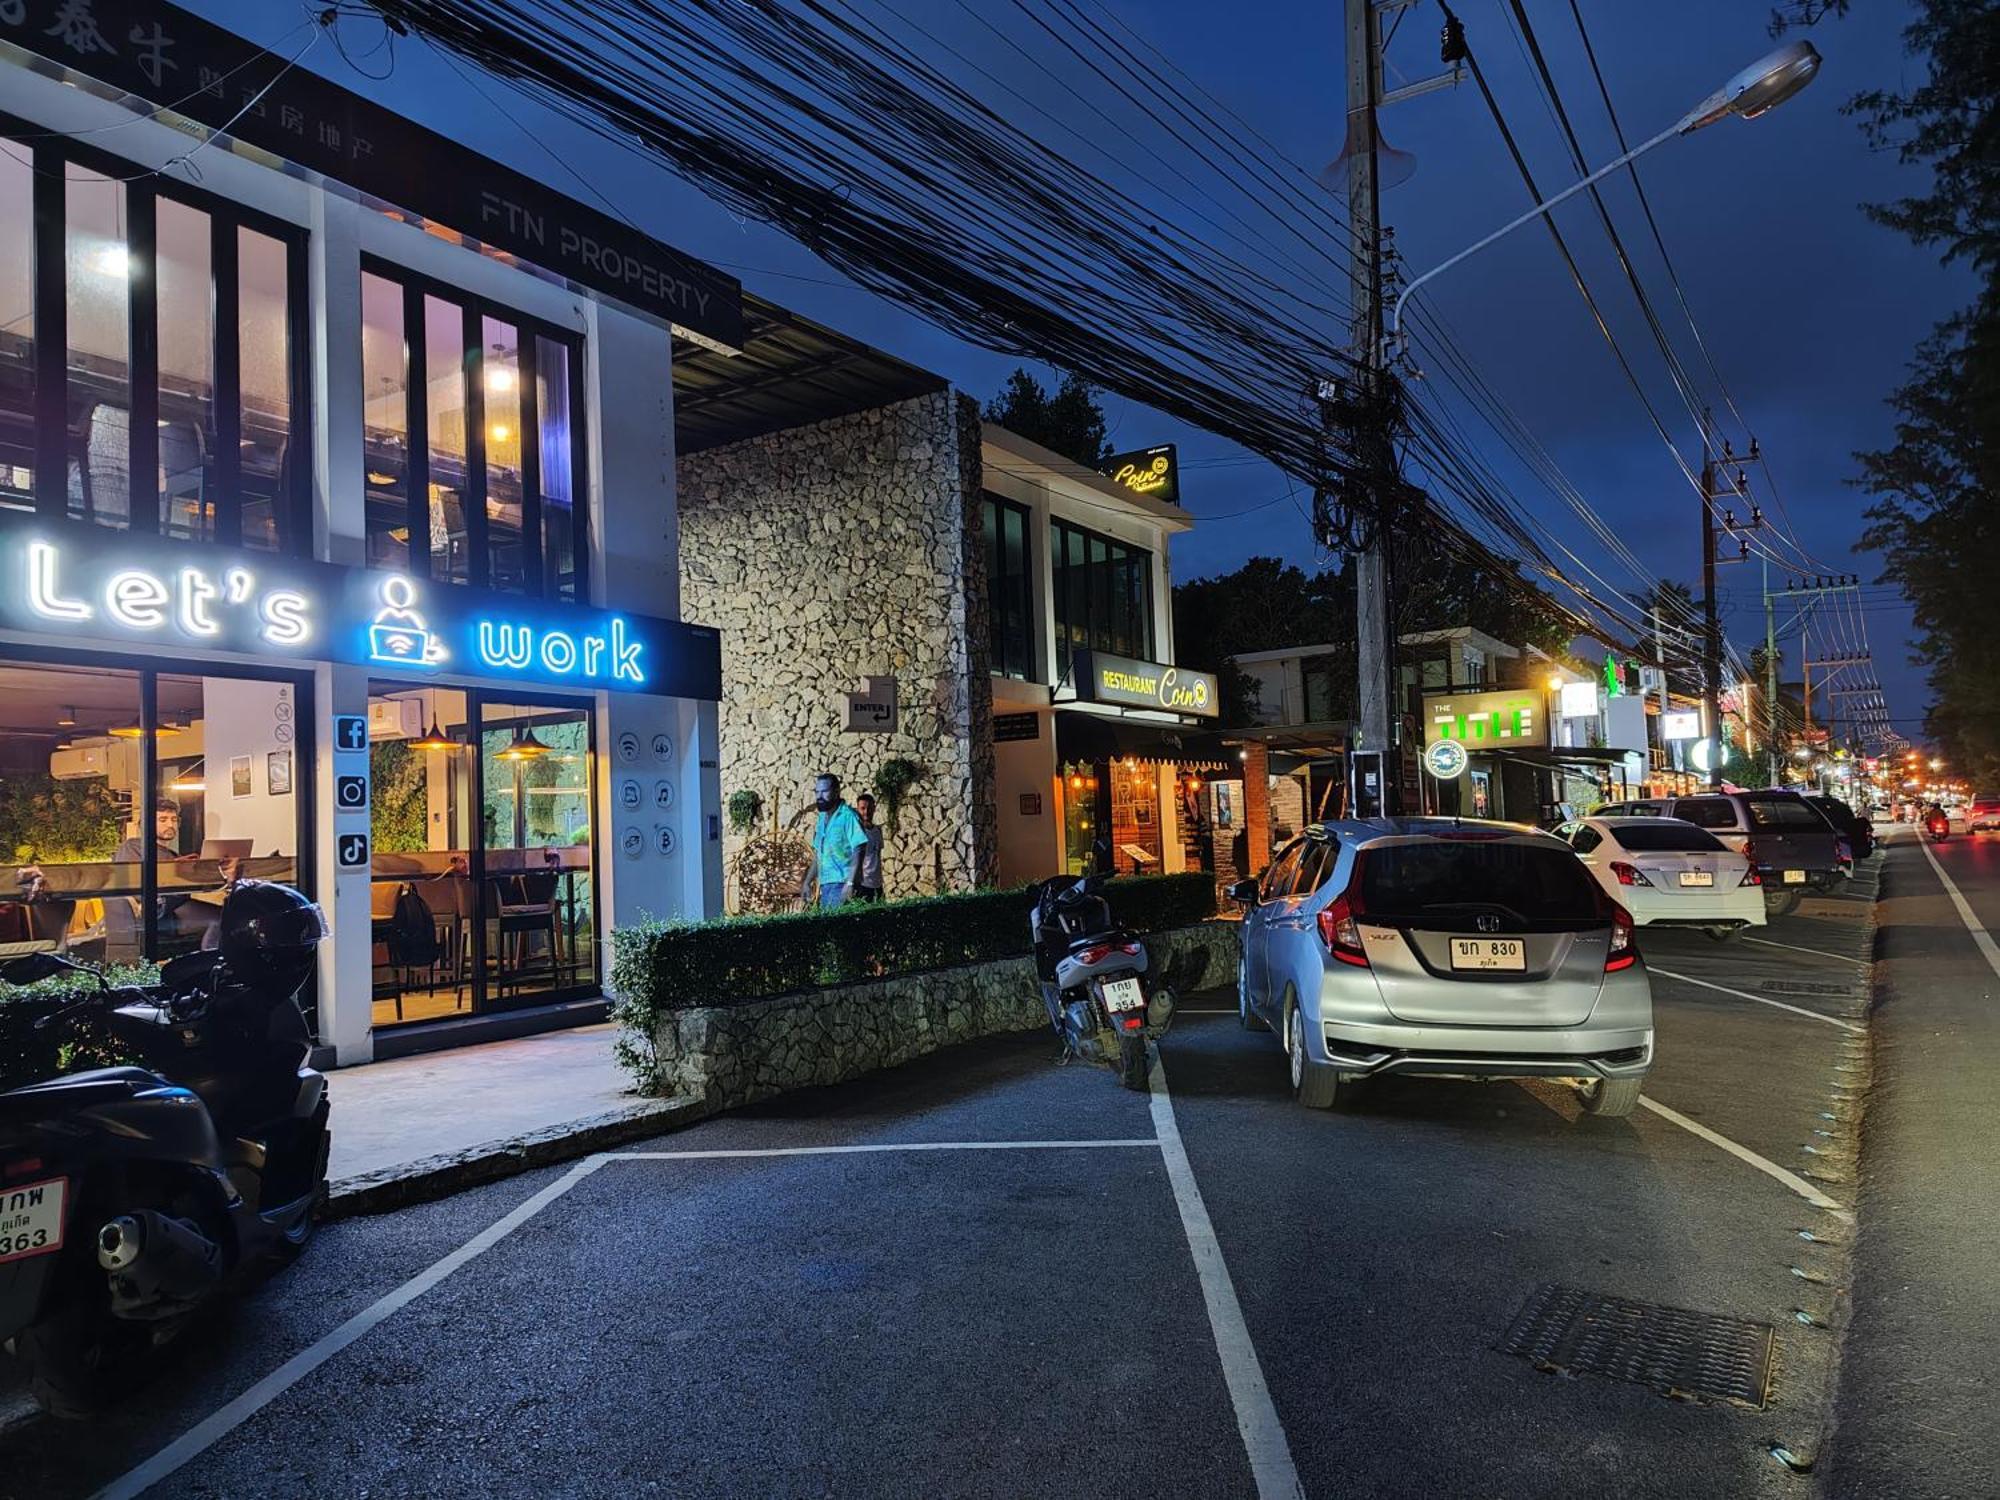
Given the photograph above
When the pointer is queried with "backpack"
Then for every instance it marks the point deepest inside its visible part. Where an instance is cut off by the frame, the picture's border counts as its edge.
(412, 936)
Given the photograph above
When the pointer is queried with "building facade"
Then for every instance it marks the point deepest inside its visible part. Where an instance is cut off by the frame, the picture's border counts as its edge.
(338, 518)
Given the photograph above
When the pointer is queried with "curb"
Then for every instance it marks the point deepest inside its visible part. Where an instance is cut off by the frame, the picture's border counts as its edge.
(434, 1177)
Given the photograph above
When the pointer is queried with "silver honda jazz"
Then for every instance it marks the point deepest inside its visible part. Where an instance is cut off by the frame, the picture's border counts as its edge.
(1446, 947)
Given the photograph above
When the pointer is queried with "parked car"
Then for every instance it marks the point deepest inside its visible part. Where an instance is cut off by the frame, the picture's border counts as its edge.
(1853, 826)
(1982, 812)
(1795, 847)
(1668, 873)
(1443, 947)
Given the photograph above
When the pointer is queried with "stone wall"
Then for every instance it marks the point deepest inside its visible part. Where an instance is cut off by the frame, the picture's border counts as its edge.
(834, 552)
(733, 1055)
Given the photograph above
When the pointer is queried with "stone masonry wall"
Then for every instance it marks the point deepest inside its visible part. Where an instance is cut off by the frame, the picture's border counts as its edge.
(733, 1055)
(830, 553)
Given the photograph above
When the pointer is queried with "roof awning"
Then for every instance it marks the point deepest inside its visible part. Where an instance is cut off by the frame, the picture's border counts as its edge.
(1095, 737)
(1593, 757)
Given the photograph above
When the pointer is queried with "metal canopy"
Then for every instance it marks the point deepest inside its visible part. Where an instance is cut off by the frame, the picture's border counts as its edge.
(792, 371)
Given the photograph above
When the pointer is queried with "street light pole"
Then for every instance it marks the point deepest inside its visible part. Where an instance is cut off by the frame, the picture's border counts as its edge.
(1711, 633)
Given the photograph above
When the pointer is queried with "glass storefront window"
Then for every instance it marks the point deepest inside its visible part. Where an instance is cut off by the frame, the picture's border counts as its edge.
(97, 277)
(536, 817)
(385, 422)
(1010, 590)
(17, 333)
(183, 273)
(264, 374)
(500, 380)
(444, 408)
(555, 421)
(1103, 594)
(80, 853)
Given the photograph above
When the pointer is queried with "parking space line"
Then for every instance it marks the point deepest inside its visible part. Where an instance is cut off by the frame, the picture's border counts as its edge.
(225, 1420)
(1271, 1466)
(1768, 1167)
(1797, 1010)
(1846, 958)
(1980, 936)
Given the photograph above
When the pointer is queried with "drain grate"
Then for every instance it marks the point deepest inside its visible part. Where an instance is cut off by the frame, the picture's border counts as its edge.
(1672, 1350)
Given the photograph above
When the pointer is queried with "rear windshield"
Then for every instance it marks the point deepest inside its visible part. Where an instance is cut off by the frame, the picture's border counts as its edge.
(1436, 877)
(1664, 838)
(1707, 812)
(1783, 812)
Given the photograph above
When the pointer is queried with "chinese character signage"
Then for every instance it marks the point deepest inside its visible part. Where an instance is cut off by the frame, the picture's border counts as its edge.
(104, 587)
(1513, 719)
(1152, 472)
(218, 79)
(1104, 678)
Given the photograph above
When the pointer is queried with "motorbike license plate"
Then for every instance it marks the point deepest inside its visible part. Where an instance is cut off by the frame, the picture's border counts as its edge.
(31, 1219)
(1795, 877)
(1488, 953)
(1697, 877)
(1124, 994)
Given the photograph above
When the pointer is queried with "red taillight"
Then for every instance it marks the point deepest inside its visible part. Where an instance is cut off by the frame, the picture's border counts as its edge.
(1750, 876)
(1337, 929)
(1098, 952)
(1628, 874)
(1623, 952)
(1133, 1022)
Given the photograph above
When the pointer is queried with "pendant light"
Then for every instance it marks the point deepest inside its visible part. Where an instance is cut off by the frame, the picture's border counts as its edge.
(524, 746)
(435, 738)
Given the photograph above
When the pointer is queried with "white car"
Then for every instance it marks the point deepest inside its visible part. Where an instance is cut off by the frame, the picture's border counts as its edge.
(1669, 873)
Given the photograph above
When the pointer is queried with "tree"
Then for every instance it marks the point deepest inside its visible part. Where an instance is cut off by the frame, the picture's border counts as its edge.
(1071, 422)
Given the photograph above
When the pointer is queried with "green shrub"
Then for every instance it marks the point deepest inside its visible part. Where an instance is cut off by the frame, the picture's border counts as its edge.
(659, 967)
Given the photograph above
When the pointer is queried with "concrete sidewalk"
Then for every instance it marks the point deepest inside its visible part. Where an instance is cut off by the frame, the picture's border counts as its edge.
(417, 1127)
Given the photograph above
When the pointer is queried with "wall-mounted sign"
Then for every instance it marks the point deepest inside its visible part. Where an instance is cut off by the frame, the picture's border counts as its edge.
(1579, 700)
(93, 583)
(351, 851)
(1152, 472)
(1031, 804)
(1009, 727)
(212, 76)
(1446, 759)
(873, 709)
(350, 793)
(1512, 719)
(1701, 755)
(350, 732)
(1680, 725)
(1104, 678)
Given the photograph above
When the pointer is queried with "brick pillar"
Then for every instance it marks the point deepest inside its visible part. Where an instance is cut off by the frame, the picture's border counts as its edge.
(1257, 806)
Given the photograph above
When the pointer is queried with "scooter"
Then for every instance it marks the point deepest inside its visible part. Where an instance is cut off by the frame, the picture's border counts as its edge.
(130, 1193)
(1938, 826)
(1101, 1001)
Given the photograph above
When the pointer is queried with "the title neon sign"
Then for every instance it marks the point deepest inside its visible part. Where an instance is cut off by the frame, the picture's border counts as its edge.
(192, 602)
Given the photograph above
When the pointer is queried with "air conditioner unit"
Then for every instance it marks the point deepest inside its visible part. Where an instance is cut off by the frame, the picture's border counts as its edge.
(81, 762)
(395, 718)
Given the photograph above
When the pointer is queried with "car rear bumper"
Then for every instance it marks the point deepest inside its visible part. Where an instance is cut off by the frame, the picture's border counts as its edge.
(1729, 906)
(1470, 1052)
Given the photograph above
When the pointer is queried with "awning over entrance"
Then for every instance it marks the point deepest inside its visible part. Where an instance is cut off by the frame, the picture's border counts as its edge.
(1095, 737)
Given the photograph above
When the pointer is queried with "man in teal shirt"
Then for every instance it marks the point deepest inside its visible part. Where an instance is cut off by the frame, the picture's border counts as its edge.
(839, 843)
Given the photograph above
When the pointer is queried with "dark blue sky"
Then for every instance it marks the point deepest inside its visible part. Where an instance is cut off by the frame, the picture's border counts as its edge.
(1809, 310)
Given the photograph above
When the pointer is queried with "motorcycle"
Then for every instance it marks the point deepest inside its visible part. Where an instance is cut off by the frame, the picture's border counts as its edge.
(1938, 826)
(131, 1193)
(1101, 1000)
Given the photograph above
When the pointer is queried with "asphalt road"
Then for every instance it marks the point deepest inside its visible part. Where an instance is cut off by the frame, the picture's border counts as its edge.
(966, 1300)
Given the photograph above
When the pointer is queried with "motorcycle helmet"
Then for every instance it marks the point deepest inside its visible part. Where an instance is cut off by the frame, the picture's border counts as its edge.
(268, 933)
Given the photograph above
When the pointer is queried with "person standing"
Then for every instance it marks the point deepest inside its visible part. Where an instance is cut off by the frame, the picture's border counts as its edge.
(869, 887)
(839, 843)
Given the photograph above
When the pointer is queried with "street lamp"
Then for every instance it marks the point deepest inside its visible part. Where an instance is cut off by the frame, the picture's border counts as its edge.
(1761, 87)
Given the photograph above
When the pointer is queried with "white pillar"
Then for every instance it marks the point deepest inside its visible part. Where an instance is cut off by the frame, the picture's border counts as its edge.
(334, 261)
(346, 968)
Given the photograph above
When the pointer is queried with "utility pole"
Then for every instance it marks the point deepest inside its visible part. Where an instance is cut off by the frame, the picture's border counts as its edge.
(1374, 650)
(1711, 635)
(1774, 774)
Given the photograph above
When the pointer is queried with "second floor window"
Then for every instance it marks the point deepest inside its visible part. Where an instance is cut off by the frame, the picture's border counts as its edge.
(1010, 590)
(471, 439)
(1103, 594)
(151, 354)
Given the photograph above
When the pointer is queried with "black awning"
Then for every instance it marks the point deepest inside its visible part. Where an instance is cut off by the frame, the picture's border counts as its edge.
(1095, 737)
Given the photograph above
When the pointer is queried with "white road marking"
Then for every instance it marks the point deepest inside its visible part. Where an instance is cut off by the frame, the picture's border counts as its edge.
(1846, 958)
(1797, 1010)
(1769, 1168)
(212, 1429)
(1271, 1467)
(1182, 1010)
(1980, 936)
(205, 1434)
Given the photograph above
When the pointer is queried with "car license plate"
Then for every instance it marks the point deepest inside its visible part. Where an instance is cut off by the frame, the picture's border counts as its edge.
(31, 1219)
(1488, 953)
(1795, 877)
(1697, 877)
(1124, 994)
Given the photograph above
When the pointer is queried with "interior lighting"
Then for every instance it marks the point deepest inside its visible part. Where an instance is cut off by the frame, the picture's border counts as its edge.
(435, 738)
(524, 746)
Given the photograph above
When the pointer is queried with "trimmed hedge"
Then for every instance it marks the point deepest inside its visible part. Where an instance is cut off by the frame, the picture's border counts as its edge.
(665, 966)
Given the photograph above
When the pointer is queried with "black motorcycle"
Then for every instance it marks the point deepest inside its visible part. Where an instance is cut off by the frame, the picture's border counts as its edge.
(1093, 974)
(130, 1192)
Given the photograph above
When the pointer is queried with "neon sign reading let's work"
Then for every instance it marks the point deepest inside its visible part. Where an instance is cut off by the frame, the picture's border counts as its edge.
(401, 637)
(191, 600)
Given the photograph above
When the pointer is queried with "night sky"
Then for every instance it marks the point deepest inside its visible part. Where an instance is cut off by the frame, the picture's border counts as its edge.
(1809, 311)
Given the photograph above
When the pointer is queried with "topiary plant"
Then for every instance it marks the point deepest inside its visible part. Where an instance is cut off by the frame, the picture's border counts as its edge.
(892, 780)
(744, 806)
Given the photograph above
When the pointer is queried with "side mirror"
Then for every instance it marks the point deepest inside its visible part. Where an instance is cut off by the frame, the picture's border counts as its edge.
(32, 968)
(1244, 891)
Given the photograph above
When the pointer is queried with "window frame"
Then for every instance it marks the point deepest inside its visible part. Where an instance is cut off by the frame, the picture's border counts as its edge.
(1119, 567)
(999, 661)
(143, 188)
(474, 309)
